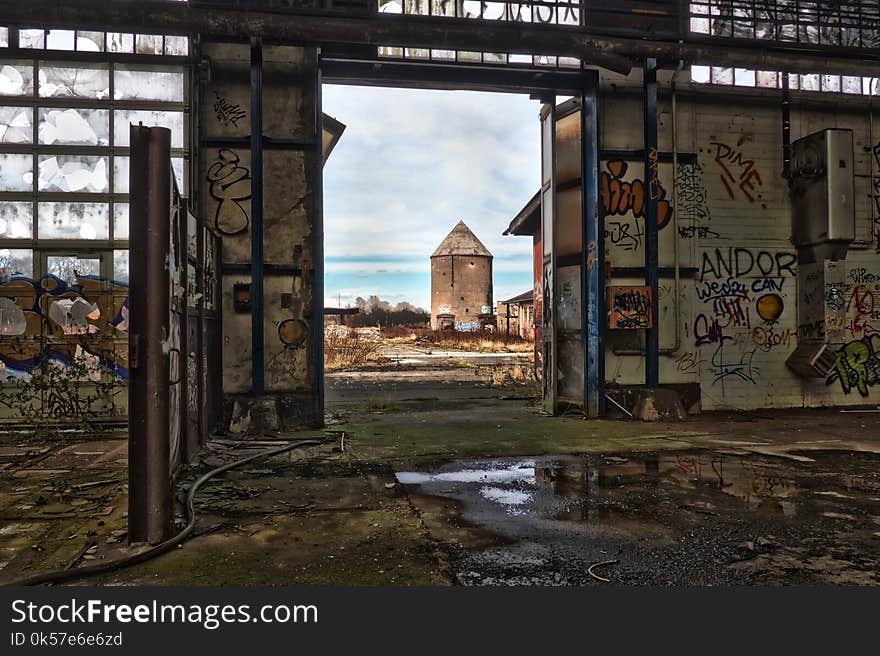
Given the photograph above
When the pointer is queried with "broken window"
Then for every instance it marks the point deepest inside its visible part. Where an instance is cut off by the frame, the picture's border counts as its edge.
(74, 81)
(16, 78)
(74, 173)
(16, 262)
(171, 120)
(147, 84)
(89, 127)
(60, 220)
(16, 125)
(16, 220)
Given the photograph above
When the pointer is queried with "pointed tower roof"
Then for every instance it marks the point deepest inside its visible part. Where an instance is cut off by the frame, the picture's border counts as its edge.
(461, 241)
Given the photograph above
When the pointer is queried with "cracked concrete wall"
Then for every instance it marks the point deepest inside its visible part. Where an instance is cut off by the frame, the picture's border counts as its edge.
(289, 113)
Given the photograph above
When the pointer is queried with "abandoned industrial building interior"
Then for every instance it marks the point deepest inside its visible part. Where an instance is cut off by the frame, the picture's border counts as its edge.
(687, 394)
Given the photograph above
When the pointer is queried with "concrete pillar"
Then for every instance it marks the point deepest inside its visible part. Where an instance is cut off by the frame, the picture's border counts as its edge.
(290, 396)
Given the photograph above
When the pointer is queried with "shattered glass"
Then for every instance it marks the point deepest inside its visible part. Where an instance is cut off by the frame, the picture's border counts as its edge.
(131, 83)
(16, 220)
(32, 39)
(16, 262)
(16, 79)
(16, 125)
(16, 172)
(70, 81)
(68, 267)
(83, 173)
(120, 42)
(148, 44)
(122, 119)
(74, 220)
(176, 45)
(89, 127)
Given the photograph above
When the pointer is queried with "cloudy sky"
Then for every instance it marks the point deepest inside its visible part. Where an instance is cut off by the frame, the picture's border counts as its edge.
(409, 166)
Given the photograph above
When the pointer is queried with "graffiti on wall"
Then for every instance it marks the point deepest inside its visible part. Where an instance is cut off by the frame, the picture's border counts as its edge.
(693, 202)
(627, 199)
(737, 172)
(230, 186)
(63, 347)
(858, 365)
(721, 263)
(629, 307)
(228, 113)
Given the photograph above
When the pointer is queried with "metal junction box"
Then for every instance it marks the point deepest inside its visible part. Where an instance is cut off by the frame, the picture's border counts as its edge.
(823, 189)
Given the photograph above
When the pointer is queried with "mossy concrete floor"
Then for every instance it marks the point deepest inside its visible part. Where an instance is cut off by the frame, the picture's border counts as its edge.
(336, 514)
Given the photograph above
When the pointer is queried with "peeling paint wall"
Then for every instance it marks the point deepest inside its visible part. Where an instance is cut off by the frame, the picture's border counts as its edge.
(288, 210)
(737, 321)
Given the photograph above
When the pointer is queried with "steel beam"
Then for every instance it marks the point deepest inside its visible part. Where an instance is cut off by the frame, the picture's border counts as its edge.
(450, 76)
(313, 29)
(652, 256)
(257, 310)
(149, 449)
(594, 250)
(318, 257)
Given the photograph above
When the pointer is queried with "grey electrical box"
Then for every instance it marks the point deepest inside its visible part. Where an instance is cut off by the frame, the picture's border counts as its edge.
(823, 188)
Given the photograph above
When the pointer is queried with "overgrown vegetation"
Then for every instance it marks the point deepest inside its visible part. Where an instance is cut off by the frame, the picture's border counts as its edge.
(75, 394)
(347, 351)
(484, 341)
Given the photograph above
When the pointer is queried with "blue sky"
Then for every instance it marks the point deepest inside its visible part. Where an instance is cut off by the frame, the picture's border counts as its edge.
(409, 166)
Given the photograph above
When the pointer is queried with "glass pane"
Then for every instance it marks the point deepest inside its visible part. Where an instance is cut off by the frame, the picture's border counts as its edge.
(130, 83)
(74, 221)
(75, 126)
(120, 266)
(61, 40)
(176, 45)
(85, 173)
(117, 42)
(120, 220)
(90, 41)
(69, 267)
(16, 262)
(16, 79)
(149, 44)
(16, 125)
(16, 172)
(120, 175)
(123, 119)
(4, 37)
(121, 170)
(32, 38)
(74, 81)
(16, 220)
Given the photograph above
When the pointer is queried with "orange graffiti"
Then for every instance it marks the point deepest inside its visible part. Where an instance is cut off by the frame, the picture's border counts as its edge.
(620, 197)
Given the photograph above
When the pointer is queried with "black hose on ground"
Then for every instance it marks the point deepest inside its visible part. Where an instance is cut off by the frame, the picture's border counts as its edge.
(60, 576)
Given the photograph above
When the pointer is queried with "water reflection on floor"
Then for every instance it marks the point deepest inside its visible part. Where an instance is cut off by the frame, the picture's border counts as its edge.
(581, 489)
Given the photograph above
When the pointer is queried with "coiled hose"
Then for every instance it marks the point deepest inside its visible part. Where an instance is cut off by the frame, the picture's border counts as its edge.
(60, 576)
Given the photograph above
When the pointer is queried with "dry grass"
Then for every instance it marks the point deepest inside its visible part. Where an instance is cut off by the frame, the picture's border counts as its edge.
(349, 352)
(483, 341)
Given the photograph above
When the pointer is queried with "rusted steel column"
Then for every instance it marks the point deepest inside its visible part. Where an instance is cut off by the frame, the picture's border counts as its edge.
(149, 469)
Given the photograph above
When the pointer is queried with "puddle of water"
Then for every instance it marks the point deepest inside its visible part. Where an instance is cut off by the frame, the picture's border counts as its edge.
(570, 488)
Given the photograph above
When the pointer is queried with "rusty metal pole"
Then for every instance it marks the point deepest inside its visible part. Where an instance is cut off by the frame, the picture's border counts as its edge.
(149, 468)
